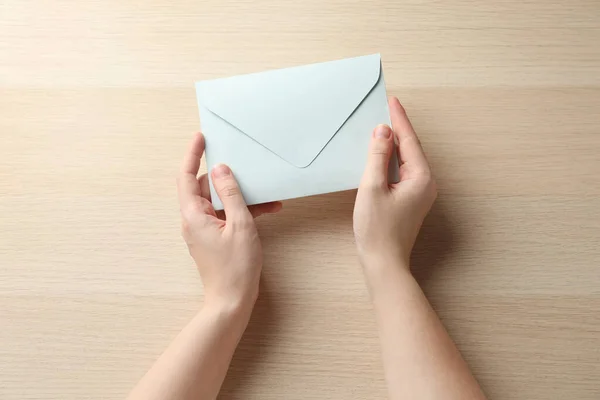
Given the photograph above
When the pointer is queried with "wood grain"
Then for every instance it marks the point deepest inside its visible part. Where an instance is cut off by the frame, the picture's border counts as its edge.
(97, 104)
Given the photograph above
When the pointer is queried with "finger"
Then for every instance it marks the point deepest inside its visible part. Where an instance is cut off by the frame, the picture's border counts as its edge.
(411, 152)
(380, 151)
(267, 208)
(191, 161)
(187, 184)
(204, 186)
(200, 205)
(204, 197)
(229, 192)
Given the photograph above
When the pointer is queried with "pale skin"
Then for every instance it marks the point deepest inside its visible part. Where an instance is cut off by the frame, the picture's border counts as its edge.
(420, 360)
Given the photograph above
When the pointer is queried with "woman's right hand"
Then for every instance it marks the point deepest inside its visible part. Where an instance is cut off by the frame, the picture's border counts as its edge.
(387, 218)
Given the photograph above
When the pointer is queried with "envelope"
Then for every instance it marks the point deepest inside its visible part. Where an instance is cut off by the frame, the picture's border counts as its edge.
(296, 131)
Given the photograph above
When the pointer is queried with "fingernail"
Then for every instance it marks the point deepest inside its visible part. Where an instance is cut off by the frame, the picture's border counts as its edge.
(220, 170)
(383, 132)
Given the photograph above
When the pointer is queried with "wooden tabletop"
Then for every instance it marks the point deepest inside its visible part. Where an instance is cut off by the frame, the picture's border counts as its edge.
(96, 107)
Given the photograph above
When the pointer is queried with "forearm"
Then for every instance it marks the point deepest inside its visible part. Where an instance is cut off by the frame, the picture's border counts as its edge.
(420, 360)
(195, 364)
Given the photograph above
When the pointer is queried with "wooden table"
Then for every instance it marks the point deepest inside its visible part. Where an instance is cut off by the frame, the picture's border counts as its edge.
(96, 107)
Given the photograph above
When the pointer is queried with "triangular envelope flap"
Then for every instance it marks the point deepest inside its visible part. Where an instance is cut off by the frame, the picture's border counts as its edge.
(293, 112)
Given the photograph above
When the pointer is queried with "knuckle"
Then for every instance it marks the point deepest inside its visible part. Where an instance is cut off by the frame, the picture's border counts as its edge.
(424, 174)
(229, 190)
(192, 222)
(378, 150)
(412, 138)
(371, 185)
(186, 227)
(243, 221)
(189, 211)
(429, 184)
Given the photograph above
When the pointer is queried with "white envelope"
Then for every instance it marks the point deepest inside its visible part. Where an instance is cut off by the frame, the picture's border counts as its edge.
(297, 131)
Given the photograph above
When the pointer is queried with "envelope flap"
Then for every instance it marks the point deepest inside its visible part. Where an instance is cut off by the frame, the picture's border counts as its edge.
(293, 112)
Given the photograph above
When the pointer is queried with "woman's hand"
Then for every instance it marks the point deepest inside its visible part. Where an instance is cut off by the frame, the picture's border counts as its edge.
(229, 259)
(387, 218)
(227, 250)
(419, 358)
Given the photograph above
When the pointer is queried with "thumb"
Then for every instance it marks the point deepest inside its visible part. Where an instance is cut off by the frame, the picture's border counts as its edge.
(229, 192)
(380, 151)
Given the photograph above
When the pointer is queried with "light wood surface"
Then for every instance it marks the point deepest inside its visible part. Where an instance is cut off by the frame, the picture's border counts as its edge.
(97, 105)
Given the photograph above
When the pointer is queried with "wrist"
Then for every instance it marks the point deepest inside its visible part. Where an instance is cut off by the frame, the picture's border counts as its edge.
(383, 273)
(224, 319)
(379, 261)
(238, 307)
